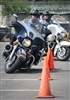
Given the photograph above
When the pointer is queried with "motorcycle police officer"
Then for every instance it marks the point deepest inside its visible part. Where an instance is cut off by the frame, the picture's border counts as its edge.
(46, 18)
(35, 23)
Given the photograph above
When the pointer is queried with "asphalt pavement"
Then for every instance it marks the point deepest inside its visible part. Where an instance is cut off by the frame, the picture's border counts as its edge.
(24, 85)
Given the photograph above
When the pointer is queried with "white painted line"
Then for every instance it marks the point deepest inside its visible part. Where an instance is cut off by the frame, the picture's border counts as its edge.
(18, 79)
(20, 90)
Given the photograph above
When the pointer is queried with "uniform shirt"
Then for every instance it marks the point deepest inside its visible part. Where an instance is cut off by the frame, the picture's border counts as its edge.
(36, 25)
(46, 22)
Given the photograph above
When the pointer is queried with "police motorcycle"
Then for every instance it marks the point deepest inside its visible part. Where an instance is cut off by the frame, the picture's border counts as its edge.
(27, 50)
(57, 41)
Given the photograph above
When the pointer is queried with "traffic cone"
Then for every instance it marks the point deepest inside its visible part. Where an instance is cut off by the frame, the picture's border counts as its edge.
(44, 91)
(48, 72)
(46, 63)
(51, 60)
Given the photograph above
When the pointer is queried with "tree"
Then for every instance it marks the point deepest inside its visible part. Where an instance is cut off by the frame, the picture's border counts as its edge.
(13, 6)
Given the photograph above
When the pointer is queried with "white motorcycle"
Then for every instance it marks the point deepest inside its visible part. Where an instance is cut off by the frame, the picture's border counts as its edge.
(60, 48)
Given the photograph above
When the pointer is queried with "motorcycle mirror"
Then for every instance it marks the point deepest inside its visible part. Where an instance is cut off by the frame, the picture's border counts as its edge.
(15, 16)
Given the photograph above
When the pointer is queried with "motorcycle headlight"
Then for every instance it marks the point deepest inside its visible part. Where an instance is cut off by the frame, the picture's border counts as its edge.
(26, 42)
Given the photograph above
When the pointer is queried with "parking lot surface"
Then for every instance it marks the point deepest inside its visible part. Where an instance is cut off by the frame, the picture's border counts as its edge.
(24, 85)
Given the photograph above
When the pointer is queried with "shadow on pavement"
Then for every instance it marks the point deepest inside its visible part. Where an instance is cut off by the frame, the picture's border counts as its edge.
(26, 71)
(62, 61)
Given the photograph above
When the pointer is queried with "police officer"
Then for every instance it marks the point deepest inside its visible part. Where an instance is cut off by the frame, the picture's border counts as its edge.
(34, 21)
(46, 18)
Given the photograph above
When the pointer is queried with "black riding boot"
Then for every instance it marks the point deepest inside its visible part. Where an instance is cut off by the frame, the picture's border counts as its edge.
(13, 38)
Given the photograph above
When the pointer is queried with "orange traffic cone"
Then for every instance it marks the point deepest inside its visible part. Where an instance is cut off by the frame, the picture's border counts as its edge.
(48, 72)
(44, 91)
(51, 60)
(46, 63)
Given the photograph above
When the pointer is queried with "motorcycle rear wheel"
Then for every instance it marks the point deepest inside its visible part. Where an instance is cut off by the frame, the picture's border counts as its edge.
(64, 54)
(12, 65)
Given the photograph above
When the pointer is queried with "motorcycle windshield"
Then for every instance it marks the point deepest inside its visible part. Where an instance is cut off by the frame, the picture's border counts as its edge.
(34, 24)
(19, 29)
(55, 21)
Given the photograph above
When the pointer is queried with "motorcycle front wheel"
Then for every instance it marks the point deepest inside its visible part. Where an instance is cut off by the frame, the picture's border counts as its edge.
(12, 65)
(63, 54)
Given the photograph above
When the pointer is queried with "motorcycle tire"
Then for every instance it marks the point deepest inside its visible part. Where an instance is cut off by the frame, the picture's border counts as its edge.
(64, 54)
(11, 68)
